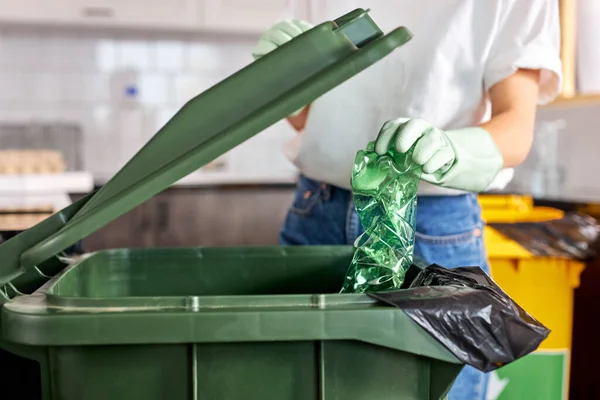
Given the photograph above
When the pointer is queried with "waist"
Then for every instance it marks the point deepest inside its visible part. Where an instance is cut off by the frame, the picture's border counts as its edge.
(430, 203)
(441, 203)
(436, 214)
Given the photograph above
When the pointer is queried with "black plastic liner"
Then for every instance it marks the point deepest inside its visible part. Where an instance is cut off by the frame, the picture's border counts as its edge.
(468, 313)
(573, 236)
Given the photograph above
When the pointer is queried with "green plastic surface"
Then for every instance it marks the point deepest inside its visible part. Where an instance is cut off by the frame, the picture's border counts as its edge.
(226, 323)
(226, 115)
(209, 125)
(222, 323)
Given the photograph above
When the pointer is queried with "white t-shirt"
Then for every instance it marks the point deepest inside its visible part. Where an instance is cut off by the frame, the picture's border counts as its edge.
(460, 49)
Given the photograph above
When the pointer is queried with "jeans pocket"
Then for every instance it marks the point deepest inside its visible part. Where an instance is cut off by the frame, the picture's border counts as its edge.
(309, 193)
(454, 239)
(463, 249)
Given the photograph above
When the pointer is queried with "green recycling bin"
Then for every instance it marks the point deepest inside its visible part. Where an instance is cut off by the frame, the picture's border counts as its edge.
(221, 323)
(212, 323)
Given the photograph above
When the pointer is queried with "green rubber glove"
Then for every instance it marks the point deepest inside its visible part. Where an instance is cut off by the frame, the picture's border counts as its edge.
(464, 159)
(278, 35)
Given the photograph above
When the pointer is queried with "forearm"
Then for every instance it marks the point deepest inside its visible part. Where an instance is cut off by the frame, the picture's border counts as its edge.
(514, 104)
(298, 122)
(513, 134)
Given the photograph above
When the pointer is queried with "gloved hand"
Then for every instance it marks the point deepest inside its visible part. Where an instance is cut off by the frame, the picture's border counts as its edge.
(278, 35)
(464, 159)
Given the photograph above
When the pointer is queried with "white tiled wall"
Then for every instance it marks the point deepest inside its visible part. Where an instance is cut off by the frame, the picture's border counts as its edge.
(576, 160)
(122, 87)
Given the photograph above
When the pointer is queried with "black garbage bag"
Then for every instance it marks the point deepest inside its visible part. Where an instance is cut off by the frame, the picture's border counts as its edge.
(574, 236)
(469, 314)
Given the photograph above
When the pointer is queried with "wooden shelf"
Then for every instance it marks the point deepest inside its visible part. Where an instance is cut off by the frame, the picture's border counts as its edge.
(568, 54)
(580, 100)
(568, 46)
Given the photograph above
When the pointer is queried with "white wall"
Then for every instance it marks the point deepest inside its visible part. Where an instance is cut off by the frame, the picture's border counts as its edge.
(578, 153)
(49, 75)
(122, 87)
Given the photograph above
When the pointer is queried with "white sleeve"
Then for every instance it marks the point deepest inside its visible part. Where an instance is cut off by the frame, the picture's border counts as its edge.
(528, 37)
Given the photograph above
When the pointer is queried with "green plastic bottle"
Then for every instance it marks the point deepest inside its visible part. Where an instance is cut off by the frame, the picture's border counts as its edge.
(384, 188)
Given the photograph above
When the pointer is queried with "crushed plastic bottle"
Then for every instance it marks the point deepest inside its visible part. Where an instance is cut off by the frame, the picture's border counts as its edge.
(385, 195)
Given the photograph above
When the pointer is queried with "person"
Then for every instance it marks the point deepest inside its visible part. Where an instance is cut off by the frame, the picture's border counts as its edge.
(463, 92)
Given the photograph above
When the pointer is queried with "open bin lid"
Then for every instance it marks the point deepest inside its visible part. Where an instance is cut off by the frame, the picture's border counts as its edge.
(211, 124)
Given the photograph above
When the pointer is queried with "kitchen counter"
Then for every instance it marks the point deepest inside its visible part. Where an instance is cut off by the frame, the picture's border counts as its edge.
(46, 189)
(225, 179)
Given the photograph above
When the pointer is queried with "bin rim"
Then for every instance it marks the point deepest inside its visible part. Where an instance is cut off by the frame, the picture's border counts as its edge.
(34, 320)
(138, 327)
(331, 53)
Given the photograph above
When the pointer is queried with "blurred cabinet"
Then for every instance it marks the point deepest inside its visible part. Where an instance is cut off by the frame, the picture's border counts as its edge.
(238, 16)
(252, 16)
(169, 14)
(31, 10)
(199, 217)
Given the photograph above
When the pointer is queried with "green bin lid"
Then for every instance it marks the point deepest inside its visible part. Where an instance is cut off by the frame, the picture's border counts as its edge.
(209, 125)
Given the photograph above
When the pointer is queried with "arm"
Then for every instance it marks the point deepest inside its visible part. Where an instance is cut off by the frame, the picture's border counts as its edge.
(298, 122)
(514, 104)
(470, 158)
(275, 37)
(521, 69)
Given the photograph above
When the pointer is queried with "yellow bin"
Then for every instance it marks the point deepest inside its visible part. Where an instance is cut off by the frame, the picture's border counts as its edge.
(544, 286)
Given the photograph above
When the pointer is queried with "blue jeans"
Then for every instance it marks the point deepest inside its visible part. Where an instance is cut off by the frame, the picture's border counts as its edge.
(449, 233)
